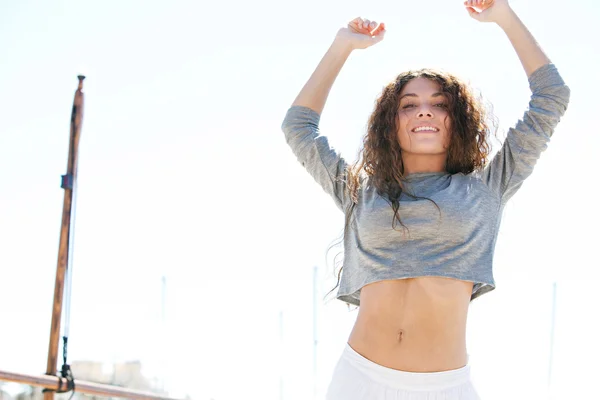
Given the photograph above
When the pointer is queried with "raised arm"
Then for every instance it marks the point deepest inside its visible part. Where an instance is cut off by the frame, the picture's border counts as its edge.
(499, 11)
(301, 123)
(359, 34)
(549, 100)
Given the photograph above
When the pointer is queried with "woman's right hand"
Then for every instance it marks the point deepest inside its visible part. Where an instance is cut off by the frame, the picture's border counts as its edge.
(362, 33)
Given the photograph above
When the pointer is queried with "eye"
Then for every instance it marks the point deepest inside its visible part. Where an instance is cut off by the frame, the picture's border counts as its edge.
(443, 105)
(408, 105)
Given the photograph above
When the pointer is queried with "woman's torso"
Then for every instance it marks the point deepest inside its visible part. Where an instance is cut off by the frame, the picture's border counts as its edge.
(416, 324)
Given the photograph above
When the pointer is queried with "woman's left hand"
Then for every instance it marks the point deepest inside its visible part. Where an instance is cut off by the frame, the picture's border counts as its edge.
(488, 10)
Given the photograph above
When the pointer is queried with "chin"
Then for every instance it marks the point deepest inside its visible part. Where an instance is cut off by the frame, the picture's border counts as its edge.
(433, 150)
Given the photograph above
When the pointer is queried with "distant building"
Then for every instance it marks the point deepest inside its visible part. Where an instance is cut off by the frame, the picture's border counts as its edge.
(127, 374)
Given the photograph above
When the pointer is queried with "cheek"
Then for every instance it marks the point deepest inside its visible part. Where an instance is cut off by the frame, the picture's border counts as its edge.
(401, 127)
(402, 119)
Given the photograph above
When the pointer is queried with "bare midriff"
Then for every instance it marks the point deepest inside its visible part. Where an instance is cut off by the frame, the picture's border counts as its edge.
(415, 325)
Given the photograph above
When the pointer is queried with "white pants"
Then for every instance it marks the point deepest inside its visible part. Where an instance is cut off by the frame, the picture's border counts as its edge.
(357, 378)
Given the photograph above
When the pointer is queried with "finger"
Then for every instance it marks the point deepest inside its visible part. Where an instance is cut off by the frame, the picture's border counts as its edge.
(357, 22)
(485, 4)
(372, 26)
(362, 30)
(356, 25)
(366, 24)
(473, 13)
(378, 29)
(378, 38)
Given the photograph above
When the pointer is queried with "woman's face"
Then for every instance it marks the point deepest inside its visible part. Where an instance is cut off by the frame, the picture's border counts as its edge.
(424, 123)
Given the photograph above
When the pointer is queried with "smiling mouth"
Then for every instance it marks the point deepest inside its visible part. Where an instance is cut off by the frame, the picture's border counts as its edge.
(429, 129)
(425, 129)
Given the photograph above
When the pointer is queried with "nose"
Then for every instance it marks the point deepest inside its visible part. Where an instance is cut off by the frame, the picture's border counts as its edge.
(425, 111)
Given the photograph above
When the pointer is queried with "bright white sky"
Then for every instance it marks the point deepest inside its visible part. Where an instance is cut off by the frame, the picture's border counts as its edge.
(184, 173)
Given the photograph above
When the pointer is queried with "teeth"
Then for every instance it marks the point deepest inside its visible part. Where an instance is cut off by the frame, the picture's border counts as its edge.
(425, 128)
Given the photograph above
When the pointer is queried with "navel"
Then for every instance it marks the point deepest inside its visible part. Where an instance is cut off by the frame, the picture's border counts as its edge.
(400, 335)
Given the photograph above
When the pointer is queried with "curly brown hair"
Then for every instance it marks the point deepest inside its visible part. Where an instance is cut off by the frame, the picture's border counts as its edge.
(381, 155)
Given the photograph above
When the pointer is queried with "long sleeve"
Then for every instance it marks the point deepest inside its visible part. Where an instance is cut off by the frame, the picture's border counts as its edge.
(327, 167)
(524, 143)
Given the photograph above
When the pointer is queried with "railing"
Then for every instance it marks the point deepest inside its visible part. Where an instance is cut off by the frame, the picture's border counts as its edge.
(57, 383)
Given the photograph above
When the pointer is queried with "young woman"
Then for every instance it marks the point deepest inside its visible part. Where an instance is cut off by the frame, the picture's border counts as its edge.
(422, 209)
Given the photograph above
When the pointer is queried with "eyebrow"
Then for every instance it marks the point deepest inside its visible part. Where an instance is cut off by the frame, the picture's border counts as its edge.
(437, 94)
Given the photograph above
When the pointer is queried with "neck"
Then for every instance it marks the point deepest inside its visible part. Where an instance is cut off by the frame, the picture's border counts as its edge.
(421, 163)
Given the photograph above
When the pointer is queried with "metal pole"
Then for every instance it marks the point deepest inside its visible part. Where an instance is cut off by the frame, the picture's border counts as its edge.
(281, 354)
(63, 249)
(163, 360)
(315, 329)
(552, 327)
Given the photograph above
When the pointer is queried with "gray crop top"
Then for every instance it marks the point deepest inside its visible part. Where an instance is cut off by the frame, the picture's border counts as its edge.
(461, 243)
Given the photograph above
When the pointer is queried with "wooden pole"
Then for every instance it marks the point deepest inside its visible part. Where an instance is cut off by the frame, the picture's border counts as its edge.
(97, 389)
(68, 183)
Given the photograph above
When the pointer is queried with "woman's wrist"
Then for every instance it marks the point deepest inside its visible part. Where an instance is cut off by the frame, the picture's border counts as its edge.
(342, 44)
(507, 20)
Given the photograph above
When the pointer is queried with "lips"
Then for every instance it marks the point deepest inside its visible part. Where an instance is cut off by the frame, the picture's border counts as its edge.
(423, 129)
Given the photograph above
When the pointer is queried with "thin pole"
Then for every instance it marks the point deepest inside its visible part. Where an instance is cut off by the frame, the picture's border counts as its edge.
(163, 332)
(552, 328)
(281, 355)
(315, 329)
(63, 248)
